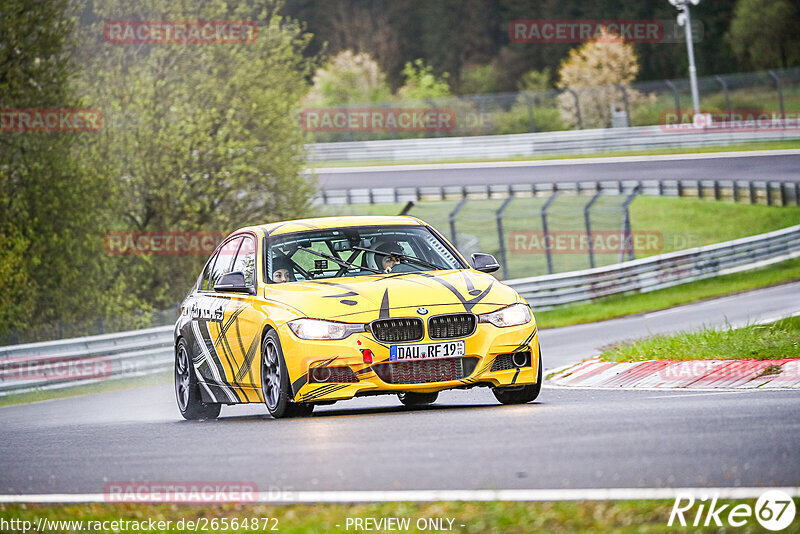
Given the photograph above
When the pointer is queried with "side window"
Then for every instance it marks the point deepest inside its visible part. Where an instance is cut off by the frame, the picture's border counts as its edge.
(246, 260)
(204, 281)
(224, 261)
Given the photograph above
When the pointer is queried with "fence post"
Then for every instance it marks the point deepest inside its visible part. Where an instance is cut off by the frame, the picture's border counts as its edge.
(717, 192)
(753, 196)
(779, 89)
(797, 193)
(587, 221)
(577, 107)
(501, 236)
(768, 187)
(677, 98)
(546, 232)
(452, 219)
(680, 188)
(783, 193)
(724, 85)
(626, 225)
(735, 191)
(699, 188)
(625, 102)
(531, 120)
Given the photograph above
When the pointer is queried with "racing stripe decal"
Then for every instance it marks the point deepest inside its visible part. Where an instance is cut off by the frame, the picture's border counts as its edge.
(467, 303)
(384, 313)
(205, 359)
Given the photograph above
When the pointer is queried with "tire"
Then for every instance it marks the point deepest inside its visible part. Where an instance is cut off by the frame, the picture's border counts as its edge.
(275, 386)
(187, 390)
(522, 395)
(417, 399)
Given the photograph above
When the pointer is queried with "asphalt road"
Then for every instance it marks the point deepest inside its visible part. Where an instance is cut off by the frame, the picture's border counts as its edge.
(566, 439)
(738, 166)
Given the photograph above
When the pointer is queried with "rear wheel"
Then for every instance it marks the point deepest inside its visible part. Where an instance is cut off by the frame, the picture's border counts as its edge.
(417, 399)
(275, 385)
(521, 395)
(187, 390)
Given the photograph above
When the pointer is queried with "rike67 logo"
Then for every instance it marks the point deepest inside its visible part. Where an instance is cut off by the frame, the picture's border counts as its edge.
(774, 510)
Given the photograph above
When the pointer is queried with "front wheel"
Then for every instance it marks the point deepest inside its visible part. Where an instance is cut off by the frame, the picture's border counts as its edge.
(187, 390)
(417, 399)
(275, 386)
(522, 395)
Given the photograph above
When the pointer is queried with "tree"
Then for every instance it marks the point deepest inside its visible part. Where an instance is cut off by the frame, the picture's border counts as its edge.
(200, 137)
(763, 33)
(596, 71)
(421, 83)
(348, 78)
(50, 209)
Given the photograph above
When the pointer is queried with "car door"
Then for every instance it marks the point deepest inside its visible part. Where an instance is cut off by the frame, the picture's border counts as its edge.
(209, 312)
(240, 335)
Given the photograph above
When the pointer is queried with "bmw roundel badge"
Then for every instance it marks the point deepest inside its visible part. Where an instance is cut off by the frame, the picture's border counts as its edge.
(422, 311)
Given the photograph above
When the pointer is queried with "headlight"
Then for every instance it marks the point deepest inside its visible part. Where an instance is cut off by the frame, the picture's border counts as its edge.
(316, 329)
(513, 315)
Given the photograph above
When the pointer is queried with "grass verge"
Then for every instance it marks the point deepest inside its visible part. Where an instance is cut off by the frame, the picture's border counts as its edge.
(742, 147)
(753, 342)
(478, 517)
(159, 379)
(620, 305)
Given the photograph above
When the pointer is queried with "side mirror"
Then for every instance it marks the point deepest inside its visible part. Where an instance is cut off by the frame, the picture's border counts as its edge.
(233, 282)
(484, 263)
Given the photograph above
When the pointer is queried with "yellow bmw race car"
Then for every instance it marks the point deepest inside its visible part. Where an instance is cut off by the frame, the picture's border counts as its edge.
(314, 311)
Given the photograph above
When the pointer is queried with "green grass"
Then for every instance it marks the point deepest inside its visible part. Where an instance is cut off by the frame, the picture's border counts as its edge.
(771, 145)
(620, 305)
(159, 379)
(753, 342)
(640, 516)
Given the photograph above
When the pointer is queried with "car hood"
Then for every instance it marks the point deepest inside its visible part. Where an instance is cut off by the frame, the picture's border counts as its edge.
(365, 298)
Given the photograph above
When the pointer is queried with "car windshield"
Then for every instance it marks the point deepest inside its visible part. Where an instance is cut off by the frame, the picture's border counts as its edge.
(339, 252)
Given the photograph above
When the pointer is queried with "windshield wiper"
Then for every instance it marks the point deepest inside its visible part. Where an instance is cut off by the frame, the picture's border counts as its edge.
(341, 263)
(411, 259)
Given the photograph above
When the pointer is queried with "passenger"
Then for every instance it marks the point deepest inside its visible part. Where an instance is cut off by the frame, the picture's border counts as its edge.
(281, 269)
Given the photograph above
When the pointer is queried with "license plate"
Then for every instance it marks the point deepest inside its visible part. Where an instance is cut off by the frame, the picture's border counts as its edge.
(447, 349)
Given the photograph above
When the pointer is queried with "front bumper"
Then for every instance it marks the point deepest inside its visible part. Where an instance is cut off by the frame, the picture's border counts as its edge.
(484, 345)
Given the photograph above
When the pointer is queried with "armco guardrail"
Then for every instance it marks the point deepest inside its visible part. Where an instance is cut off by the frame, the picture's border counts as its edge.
(71, 362)
(658, 272)
(112, 356)
(768, 192)
(541, 143)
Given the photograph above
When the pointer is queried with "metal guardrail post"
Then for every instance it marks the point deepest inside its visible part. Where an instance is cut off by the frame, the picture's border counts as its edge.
(783, 193)
(676, 96)
(717, 192)
(753, 195)
(680, 188)
(768, 187)
(546, 231)
(779, 89)
(501, 239)
(452, 219)
(724, 85)
(735, 191)
(797, 193)
(627, 242)
(700, 189)
(587, 221)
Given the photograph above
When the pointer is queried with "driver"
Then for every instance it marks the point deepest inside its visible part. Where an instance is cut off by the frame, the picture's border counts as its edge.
(386, 261)
(281, 269)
